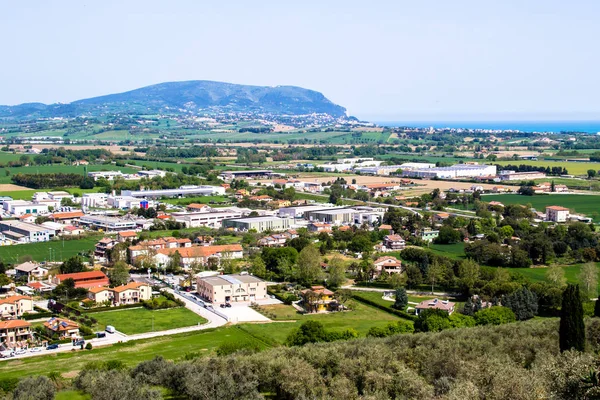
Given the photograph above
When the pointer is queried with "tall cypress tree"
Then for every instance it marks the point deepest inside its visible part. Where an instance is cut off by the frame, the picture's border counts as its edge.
(597, 308)
(572, 328)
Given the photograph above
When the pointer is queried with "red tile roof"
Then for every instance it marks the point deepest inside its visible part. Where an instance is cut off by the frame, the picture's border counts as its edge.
(67, 215)
(15, 323)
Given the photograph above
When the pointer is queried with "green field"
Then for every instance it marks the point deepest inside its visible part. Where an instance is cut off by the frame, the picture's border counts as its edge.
(60, 168)
(361, 318)
(455, 251)
(583, 204)
(40, 251)
(172, 347)
(141, 320)
(200, 199)
(71, 395)
(573, 168)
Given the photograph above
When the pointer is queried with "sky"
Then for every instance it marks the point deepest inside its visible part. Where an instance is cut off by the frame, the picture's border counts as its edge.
(382, 60)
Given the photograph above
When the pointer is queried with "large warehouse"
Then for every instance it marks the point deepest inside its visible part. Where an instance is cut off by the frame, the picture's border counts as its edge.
(259, 224)
(455, 171)
(188, 190)
(231, 288)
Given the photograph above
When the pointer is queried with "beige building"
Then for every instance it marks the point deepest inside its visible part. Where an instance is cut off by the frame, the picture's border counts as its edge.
(14, 333)
(131, 293)
(15, 306)
(557, 214)
(231, 288)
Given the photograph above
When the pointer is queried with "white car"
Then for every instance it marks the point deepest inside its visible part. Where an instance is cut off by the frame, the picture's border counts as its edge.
(20, 352)
(35, 349)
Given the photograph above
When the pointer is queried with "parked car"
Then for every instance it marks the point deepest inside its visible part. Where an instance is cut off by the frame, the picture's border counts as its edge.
(79, 342)
(100, 334)
(222, 305)
(110, 329)
(52, 346)
(6, 354)
(20, 352)
(228, 305)
(35, 349)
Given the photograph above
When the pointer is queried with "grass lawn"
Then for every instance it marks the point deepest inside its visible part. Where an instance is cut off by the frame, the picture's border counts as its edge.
(454, 251)
(140, 320)
(573, 168)
(40, 251)
(539, 274)
(361, 318)
(200, 199)
(71, 395)
(584, 204)
(172, 347)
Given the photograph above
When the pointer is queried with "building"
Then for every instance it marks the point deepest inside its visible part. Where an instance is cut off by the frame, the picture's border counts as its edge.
(387, 264)
(108, 175)
(208, 219)
(394, 242)
(435, 304)
(94, 200)
(439, 218)
(452, 172)
(231, 288)
(61, 328)
(347, 215)
(60, 195)
(416, 165)
(130, 293)
(259, 224)
(12, 307)
(298, 212)
(86, 279)
(186, 190)
(198, 208)
(20, 207)
(318, 227)
(152, 173)
(14, 334)
(107, 224)
(557, 214)
(103, 247)
(428, 234)
(262, 173)
(67, 218)
(508, 175)
(31, 270)
(126, 236)
(318, 299)
(277, 239)
(199, 254)
(23, 232)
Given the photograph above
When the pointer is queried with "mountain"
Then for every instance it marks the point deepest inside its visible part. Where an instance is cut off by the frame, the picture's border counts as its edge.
(189, 97)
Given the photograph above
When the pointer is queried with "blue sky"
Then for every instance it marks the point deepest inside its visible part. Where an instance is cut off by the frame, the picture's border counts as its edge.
(383, 60)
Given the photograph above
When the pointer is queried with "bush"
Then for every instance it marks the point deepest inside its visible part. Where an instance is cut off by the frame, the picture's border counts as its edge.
(88, 346)
(399, 313)
(494, 316)
(35, 388)
(227, 348)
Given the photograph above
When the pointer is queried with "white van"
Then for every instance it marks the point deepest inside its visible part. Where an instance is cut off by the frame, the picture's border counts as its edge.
(110, 329)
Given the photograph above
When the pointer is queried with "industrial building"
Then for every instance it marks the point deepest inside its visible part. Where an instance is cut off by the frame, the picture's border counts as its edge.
(455, 171)
(21, 207)
(24, 232)
(231, 288)
(346, 215)
(258, 173)
(108, 175)
(520, 176)
(259, 224)
(209, 219)
(299, 211)
(186, 190)
(105, 223)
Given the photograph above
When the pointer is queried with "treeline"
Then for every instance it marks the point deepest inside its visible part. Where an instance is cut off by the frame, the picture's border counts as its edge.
(263, 129)
(182, 152)
(41, 181)
(513, 361)
(554, 171)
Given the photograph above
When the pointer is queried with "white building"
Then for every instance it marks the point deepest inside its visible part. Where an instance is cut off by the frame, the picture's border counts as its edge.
(297, 212)
(94, 200)
(23, 232)
(557, 214)
(186, 190)
(20, 207)
(152, 173)
(123, 202)
(231, 288)
(108, 175)
(107, 223)
(416, 165)
(209, 219)
(455, 171)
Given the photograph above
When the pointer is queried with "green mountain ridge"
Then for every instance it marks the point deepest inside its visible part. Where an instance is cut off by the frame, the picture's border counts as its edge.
(189, 97)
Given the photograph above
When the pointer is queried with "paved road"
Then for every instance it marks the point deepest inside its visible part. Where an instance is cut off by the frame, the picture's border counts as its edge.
(415, 292)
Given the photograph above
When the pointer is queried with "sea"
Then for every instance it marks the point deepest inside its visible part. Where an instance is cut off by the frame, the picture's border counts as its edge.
(592, 127)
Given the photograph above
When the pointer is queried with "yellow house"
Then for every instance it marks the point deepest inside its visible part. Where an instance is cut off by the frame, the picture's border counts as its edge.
(131, 293)
(318, 299)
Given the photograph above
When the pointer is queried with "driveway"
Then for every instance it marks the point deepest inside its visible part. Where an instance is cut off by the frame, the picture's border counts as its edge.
(243, 313)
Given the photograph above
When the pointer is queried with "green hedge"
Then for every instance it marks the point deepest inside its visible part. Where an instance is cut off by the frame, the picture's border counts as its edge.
(399, 313)
(28, 317)
(99, 309)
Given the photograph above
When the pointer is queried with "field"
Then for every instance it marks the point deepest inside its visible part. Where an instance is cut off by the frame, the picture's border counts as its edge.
(584, 204)
(361, 318)
(60, 168)
(455, 251)
(573, 168)
(41, 251)
(172, 347)
(141, 320)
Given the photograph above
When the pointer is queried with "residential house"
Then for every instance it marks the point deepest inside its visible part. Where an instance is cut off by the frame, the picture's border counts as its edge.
(40, 287)
(386, 227)
(231, 288)
(30, 218)
(12, 307)
(130, 293)
(557, 214)
(439, 218)
(318, 299)
(262, 199)
(319, 227)
(61, 328)
(280, 203)
(435, 304)
(394, 242)
(104, 247)
(14, 334)
(126, 236)
(31, 270)
(387, 264)
(71, 230)
(427, 234)
(150, 246)
(198, 254)
(495, 204)
(86, 279)
(198, 208)
(241, 193)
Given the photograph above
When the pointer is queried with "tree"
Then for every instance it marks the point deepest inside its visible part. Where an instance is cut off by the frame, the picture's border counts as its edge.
(309, 265)
(591, 173)
(572, 328)
(119, 274)
(523, 303)
(258, 267)
(435, 273)
(448, 235)
(174, 263)
(401, 300)
(343, 295)
(35, 388)
(556, 275)
(397, 280)
(468, 274)
(309, 332)
(72, 265)
(588, 278)
(432, 320)
(4, 280)
(337, 272)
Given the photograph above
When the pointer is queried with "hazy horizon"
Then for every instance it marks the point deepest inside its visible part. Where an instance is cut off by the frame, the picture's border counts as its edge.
(388, 60)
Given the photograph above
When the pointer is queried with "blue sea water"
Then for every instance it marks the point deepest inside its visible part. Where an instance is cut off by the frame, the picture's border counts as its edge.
(523, 126)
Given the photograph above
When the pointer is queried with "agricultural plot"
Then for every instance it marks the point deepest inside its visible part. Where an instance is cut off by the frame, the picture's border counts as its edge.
(55, 250)
(579, 203)
(141, 320)
(574, 168)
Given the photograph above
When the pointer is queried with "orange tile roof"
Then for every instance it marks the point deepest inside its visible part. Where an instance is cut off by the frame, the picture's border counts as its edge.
(15, 323)
(97, 290)
(197, 205)
(13, 299)
(82, 275)
(127, 234)
(201, 251)
(25, 216)
(129, 286)
(557, 208)
(67, 215)
(60, 324)
(385, 227)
